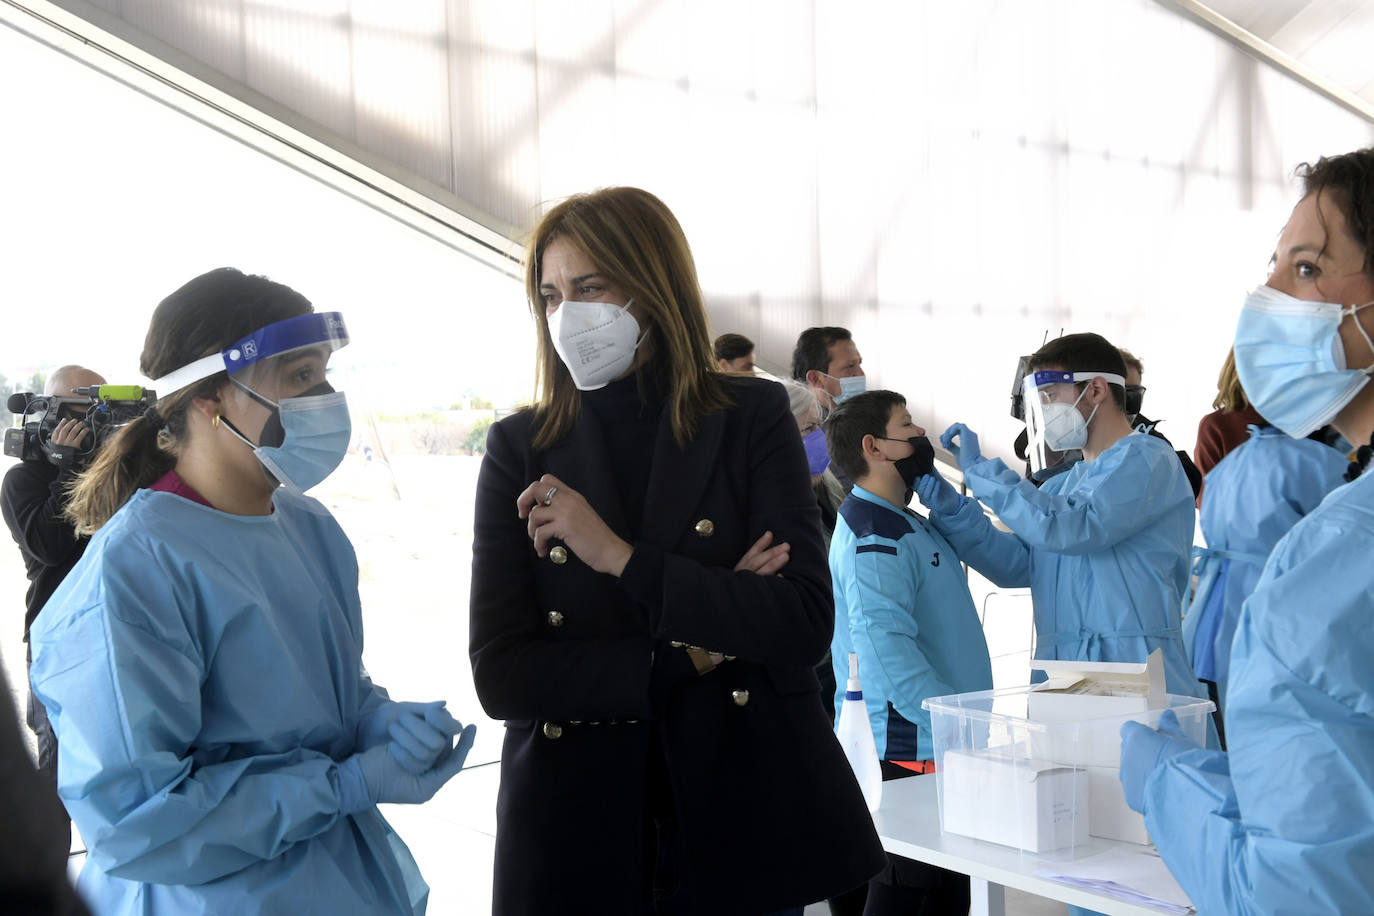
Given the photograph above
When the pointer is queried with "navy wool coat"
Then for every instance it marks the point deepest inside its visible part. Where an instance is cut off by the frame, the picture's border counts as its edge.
(768, 814)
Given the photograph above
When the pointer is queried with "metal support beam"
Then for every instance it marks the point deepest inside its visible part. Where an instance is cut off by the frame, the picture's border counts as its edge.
(92, 40)
(1257, 47)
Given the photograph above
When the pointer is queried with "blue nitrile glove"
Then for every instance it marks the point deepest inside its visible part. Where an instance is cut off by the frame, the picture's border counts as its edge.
(966, 453)
(1144, 750)
(418, 732)
(376, 777)
(937, 494)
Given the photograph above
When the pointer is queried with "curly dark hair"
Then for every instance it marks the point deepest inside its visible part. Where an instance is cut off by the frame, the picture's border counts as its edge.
(1349, 181)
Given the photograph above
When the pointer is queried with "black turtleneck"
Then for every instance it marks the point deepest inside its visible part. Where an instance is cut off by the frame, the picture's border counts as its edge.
(628, 412)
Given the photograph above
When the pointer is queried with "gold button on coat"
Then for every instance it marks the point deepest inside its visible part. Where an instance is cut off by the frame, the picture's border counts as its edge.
(555, 618)
(553, 731)
(741, 697)
(559, 555)
(705, 528)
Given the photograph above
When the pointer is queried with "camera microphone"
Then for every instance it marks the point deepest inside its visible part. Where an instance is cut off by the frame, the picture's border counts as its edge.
(17, 403)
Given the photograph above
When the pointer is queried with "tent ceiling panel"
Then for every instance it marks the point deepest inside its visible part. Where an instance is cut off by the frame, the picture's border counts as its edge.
(1330, 37)
(949, 181)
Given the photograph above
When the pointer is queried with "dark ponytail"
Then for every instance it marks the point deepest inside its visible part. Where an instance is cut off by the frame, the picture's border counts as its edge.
(203, 317)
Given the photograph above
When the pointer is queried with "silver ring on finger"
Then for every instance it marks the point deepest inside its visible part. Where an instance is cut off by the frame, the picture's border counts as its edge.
(548, 497)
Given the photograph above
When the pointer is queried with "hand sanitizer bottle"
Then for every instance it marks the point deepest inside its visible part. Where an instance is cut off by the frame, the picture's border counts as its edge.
(856, 737)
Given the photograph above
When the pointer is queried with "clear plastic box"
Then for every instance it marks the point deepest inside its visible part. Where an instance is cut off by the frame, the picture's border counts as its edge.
(1033, 785)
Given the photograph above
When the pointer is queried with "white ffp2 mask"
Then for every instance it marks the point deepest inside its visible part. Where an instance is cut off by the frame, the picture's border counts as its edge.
(595, 340)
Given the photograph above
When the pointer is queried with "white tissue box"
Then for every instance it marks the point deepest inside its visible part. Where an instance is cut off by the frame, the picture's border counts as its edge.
(1031, 805)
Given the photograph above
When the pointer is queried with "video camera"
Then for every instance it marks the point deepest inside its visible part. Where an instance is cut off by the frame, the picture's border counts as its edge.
(101, 409)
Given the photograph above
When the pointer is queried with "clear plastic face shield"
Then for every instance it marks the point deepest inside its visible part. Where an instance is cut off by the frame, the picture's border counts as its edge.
(306, 428)
(1055, 426)
(264, 360)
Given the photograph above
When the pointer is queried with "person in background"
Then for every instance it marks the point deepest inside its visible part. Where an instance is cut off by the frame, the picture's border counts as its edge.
(649, 600)
(734, 353)
(829, 492)
(221, 748)
(829, 495)
(1227, 426)
(827, 361)
(1135, 399)
(1104, 546)
(1256, 494)
(1283, 821)
(34, 832)
(33, 500)
(902, 603)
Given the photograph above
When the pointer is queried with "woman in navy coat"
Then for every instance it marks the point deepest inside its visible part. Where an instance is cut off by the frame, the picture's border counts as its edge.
(650, 596)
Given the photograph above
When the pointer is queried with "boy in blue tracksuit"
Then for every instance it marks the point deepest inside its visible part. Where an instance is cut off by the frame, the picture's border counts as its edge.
(902, 603)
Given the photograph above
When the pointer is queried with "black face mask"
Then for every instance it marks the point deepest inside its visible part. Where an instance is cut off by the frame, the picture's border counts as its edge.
(273, 434)
(919, 463)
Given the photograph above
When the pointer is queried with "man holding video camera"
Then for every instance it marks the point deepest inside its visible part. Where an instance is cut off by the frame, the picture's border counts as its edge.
(33, 499)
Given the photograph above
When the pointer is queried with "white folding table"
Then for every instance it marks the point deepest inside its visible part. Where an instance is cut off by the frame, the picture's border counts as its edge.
(908, 823)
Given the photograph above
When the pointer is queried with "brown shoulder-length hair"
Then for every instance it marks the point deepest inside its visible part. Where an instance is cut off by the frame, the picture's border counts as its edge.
(202, 317)
(635, 241)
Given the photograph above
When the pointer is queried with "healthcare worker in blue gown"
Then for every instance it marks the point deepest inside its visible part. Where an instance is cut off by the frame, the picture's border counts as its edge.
(1104, 546)
(222, 748)
(1283, 822)
(1255, 495)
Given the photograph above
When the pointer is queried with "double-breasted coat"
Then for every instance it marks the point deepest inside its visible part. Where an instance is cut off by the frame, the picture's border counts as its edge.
(766, 810)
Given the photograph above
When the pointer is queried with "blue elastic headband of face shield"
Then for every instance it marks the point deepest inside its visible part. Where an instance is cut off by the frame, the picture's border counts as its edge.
(315, 329)
(1045, 377)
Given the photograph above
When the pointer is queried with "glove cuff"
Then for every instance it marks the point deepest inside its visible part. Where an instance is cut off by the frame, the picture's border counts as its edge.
(353, 795)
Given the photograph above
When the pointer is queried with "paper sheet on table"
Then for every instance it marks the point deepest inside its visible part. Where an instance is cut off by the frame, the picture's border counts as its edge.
(1138, 877)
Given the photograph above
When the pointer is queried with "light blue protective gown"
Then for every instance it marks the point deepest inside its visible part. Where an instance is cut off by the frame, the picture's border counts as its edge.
(203, 672)
(1284, 822)
(902, 604)
(1254, 496)
(1104, 548)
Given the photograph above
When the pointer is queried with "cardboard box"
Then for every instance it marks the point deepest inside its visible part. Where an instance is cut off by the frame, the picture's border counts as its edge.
(1109, 815)
(994, 795)
(1090, 701)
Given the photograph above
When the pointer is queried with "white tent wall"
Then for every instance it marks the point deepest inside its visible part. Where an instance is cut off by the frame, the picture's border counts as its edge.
(950, 181)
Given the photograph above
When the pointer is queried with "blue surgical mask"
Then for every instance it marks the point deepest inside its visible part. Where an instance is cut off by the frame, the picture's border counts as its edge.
(317, 430)
(1291, 362)
(850, 385)
(305, 438)
(817, 458)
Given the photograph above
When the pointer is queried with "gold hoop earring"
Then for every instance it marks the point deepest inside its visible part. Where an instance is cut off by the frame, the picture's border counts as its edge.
(214, 422)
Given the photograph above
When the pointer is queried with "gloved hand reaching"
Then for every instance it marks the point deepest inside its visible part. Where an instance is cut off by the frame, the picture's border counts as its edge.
(1144, 750)
(376, 776)
(937, 494)
(419, 732)
(966, 453)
